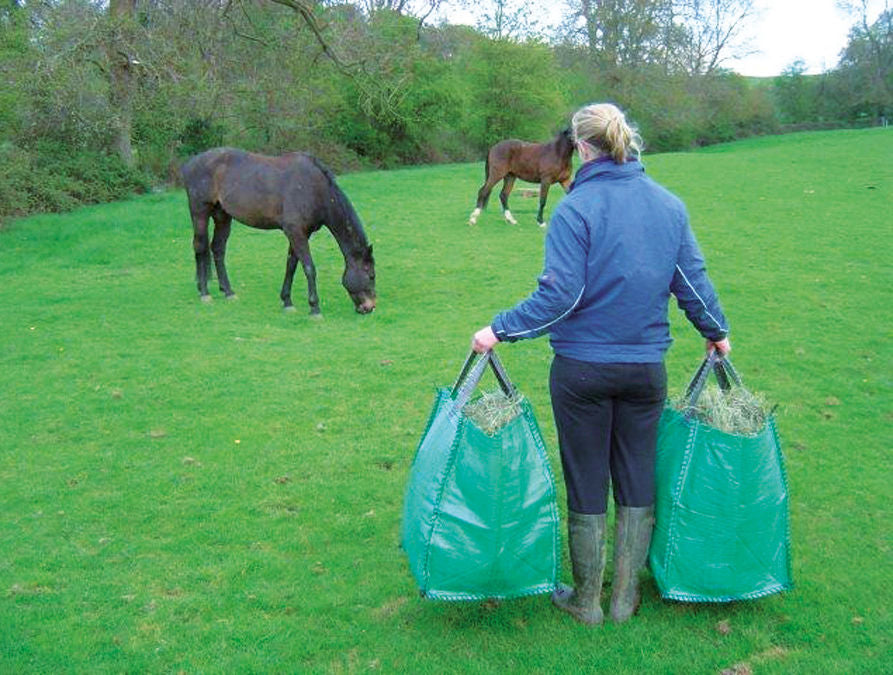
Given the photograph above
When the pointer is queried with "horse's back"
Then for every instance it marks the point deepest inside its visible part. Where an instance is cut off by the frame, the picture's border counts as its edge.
(204, 163)
(504, 150)
(517, 158)
(258, 190)
(202, 174)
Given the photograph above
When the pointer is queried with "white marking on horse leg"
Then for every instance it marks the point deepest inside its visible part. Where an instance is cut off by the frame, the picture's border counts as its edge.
(543, 225)
(207, 298)
(509, 217)
(473, 218)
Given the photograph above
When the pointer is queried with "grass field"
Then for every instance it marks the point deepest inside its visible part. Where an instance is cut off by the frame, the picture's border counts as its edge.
(217, 488)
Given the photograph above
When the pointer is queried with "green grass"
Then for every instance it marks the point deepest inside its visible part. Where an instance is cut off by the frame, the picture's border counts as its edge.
(218, 488)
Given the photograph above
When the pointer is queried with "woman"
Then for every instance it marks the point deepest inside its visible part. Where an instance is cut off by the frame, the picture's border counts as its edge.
(617, 246)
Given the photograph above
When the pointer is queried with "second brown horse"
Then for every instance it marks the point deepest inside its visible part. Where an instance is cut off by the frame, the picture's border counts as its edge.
(543, 163)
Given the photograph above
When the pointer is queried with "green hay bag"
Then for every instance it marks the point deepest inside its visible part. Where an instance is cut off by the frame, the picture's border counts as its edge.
(721, 511)
(480, 518)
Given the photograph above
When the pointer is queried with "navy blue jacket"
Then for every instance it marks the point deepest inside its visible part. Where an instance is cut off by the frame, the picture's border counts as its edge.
(618, 245)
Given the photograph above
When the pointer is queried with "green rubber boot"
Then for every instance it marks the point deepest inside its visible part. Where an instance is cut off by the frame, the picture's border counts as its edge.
(634, 525)
(586, 540)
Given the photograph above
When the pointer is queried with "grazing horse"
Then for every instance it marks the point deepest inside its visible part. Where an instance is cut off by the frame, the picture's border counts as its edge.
(543, 163)
(294, 193)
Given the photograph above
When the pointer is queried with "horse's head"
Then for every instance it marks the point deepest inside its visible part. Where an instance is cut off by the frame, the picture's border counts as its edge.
(564, 139)
(359, 280)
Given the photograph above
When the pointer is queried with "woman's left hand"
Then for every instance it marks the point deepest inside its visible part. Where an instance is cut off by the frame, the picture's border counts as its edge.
(722, 346)
(483, 340)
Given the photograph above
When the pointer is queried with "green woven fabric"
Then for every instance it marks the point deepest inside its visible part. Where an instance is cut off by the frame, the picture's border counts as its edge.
(480, 518)
(721, 513)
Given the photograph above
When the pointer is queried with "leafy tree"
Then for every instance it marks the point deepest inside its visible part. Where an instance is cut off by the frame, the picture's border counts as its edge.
(867, 62)
(794, 94)
(515, 92)
(15, 55)
(621, 33)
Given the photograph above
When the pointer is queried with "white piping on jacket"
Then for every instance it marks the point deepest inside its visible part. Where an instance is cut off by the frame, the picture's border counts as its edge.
(555, 320)
(698, 296)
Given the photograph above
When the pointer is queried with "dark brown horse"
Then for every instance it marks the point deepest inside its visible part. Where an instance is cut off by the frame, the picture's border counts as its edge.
(543, 163)
(294, 193)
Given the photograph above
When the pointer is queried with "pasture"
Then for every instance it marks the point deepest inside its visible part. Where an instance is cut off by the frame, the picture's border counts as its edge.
(217, 487)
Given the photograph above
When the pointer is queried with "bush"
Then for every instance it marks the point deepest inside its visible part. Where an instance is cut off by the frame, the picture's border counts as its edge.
(51, 178)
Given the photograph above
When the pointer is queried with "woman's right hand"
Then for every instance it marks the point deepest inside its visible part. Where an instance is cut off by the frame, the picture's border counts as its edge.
(484, 340)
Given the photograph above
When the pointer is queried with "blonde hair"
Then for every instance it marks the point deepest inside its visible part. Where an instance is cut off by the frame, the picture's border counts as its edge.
(604, 125)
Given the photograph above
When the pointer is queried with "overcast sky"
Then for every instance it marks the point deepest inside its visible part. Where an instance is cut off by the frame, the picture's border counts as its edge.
(784, 31)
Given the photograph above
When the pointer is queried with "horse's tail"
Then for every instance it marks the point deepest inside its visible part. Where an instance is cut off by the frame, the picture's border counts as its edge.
(340, 214)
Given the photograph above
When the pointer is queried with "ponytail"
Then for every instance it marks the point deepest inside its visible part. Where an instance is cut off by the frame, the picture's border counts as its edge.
(604, 125)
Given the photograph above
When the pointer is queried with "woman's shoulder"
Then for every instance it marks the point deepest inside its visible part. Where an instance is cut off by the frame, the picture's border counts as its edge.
(670, 197)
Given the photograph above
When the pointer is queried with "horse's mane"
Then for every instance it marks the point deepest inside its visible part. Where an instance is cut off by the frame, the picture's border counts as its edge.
(341, 209)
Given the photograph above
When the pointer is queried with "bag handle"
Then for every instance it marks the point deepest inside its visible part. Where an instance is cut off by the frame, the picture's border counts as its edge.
(723, 370)
(471, 374)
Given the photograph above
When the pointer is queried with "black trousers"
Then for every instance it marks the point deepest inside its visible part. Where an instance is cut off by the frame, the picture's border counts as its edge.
(606, 415)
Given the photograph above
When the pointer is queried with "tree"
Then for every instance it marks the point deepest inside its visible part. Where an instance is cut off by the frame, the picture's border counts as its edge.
(14, 59)
(794, 95)
(418, 8)
(867, 61)
(620, 33)
(121, 65)
(507, 19)
(515, 92)
(713, 31)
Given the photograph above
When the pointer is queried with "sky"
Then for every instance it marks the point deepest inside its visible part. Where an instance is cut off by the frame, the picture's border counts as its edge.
(782, 32)
(786, 30)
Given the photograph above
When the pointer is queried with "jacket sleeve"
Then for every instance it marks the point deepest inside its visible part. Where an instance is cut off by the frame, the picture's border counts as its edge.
(693, 290)
(560, 286)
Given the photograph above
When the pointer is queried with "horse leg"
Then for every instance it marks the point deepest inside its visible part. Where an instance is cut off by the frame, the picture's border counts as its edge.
(291, 265)
(202, 252)
(507, 185)
(544, 193)
(483, 197)
(222, 223)
(299, 250)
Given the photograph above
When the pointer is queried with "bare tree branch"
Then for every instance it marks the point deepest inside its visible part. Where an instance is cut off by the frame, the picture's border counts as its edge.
(305, 11)
(235, 27)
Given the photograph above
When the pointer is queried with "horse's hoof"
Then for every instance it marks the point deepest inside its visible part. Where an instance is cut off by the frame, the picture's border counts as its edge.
(316, 316)
(289, 308)
(232, 296)
(510, 218)
(542, 225)
(207, 298)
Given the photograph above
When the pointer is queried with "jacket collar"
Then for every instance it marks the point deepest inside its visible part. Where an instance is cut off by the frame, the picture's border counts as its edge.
(606, 168)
